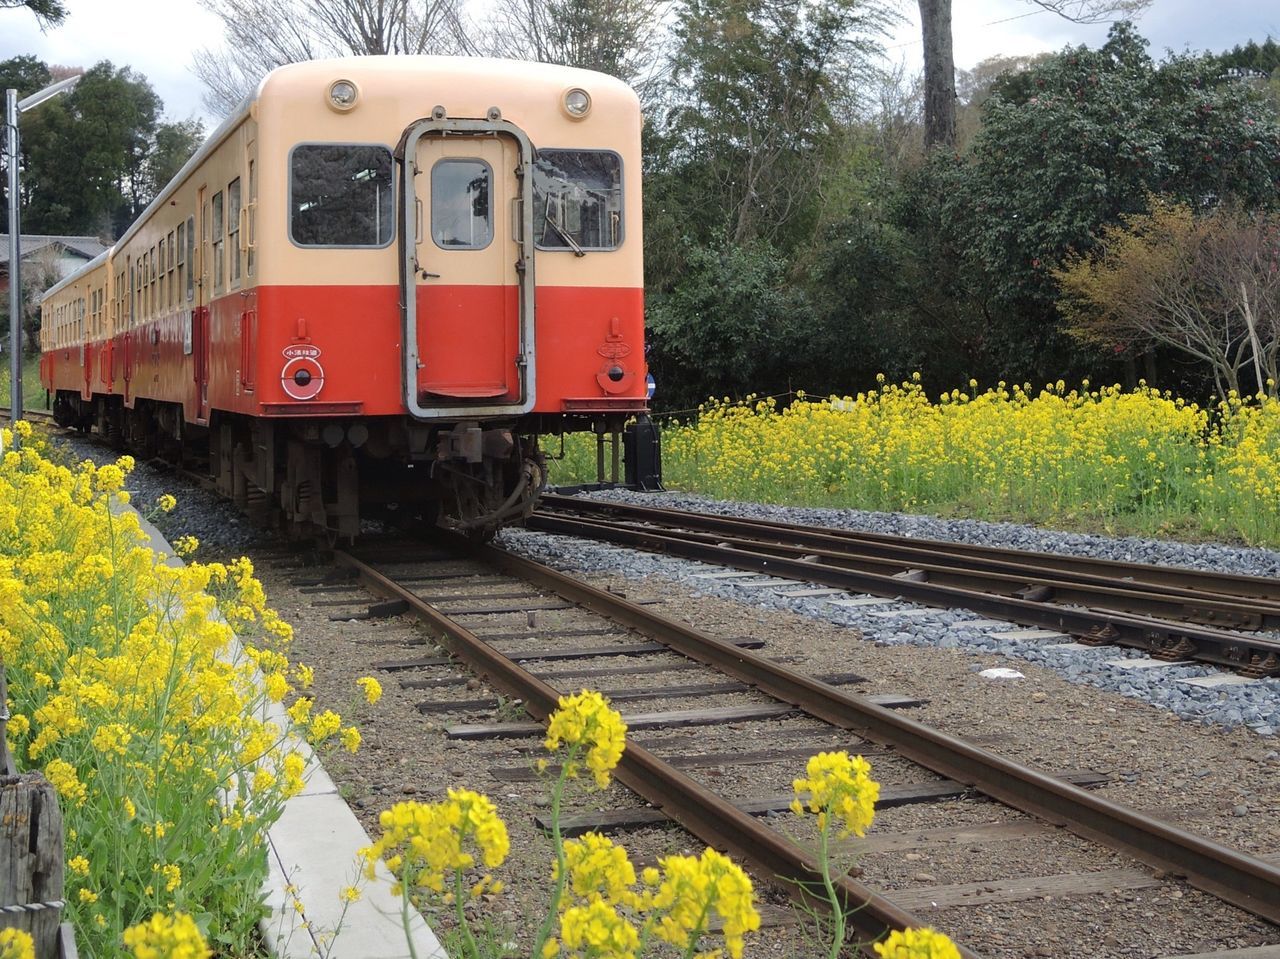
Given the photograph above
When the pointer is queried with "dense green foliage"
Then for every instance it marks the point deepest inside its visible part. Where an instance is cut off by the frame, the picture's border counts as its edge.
(846, 261)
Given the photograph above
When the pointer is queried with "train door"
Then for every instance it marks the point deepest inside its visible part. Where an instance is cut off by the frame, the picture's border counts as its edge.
(468, 269)
(200, 320)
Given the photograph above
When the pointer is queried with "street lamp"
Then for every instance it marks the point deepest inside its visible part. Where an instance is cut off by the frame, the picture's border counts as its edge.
(13, 108)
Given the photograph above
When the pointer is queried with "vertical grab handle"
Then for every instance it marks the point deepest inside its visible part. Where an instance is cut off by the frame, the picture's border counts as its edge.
(417, 220)
(517, 219)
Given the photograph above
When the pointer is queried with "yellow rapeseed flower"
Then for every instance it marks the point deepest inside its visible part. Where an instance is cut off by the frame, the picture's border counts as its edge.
(166, 937)
(586, 721)
(14, 943)
(372, 689)
(838, 786)
(923, 943)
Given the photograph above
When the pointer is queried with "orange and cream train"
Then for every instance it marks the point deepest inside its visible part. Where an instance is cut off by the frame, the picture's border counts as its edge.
(373, 288)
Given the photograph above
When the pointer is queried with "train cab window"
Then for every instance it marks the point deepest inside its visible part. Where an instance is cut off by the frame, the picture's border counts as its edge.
(461, 204)
(341, 195)
(233, 230)
(219, 242)
(250, 241)
(577, 196)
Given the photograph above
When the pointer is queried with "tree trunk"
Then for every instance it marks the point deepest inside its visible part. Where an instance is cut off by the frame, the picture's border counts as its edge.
(939, 74)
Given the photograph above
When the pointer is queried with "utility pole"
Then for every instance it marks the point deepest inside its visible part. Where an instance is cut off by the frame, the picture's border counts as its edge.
(13, 108)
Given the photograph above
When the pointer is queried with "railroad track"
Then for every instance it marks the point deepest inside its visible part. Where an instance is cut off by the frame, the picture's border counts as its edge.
(532, 633)
(1171, 614)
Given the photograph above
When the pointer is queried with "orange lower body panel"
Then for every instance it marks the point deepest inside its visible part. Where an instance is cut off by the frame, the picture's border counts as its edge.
(348, 339)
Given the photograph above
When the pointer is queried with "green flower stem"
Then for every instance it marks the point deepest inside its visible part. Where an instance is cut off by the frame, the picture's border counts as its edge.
(837, 909)
(553, 910)
(473, 950)
(405, 873)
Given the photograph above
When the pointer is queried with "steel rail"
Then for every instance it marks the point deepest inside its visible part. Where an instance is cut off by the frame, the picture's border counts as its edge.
(1037, 583)
(713, 820)
(942, 551)
(1235, 877)
(1252, 655)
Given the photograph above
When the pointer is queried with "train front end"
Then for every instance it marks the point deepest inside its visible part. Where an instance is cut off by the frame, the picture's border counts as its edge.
(462, 274)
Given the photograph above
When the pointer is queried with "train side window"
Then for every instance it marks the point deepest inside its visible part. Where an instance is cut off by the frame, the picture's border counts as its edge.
(219, 243)
(341, 195)
(133, 294)
(164, 252)
(191, 258)
(462, 204)
(152, 303)
(233, 229)
(251, 240)
(169, 300)
(577, 197)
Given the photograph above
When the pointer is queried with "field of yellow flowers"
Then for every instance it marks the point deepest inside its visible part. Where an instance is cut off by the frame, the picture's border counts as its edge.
(1121, 461)
(129, 690)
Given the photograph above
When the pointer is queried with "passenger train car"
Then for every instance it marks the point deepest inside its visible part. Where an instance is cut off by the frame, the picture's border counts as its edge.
(373, 289)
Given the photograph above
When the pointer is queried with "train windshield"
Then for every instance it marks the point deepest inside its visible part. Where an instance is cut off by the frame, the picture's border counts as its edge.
(577, 197)
(341, 195)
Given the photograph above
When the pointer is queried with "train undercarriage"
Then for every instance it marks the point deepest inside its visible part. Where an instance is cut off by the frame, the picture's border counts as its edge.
(324, 476)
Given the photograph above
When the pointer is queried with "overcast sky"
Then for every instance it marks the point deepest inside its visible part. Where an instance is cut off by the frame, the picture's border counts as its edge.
(157, 38)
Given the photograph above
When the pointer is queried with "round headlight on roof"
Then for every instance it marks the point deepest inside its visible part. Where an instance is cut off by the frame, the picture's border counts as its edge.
(577, 103)
(342, 95)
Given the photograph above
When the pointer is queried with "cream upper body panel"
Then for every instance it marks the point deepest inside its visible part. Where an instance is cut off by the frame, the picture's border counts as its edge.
(292, 107)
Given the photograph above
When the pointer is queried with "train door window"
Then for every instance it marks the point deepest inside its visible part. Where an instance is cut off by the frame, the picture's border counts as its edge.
(462, 204)
(577, 196)
(251, 240)
(191, 258)
(219, 243)
(233, 230)
(341, 195)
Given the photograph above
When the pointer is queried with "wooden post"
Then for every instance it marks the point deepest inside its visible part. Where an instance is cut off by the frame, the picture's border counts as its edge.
(31, 854)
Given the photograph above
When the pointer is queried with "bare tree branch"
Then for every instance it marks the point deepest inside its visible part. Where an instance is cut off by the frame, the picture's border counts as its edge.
(261, 35)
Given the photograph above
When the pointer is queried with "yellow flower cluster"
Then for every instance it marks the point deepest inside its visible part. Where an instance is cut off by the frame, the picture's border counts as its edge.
(166, 937)
(129, 690)
(596, 930)
(427, 843)
(14, 943)
(598, 869)
(691, 889)
(840, 787)
(371, 687)
(586, 721)
(917, 944)
(1142, 458)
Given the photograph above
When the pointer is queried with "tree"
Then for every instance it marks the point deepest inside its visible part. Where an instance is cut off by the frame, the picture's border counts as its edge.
(617, 37)
(756, 90)
(88, 152)
(49, 13)
(939, 63)
(1207, 286)
(175, 142)
(261, 35)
